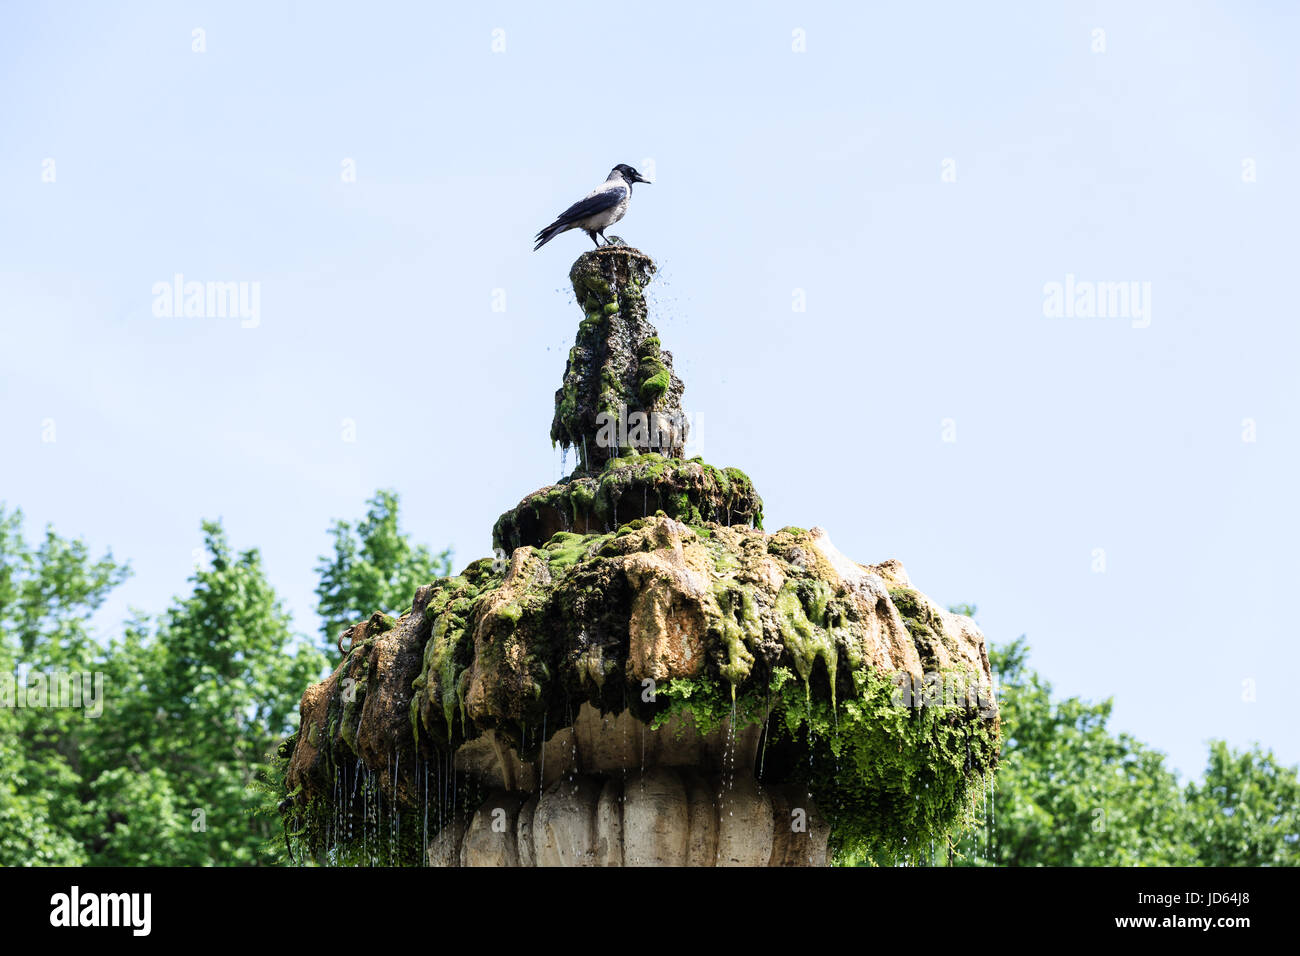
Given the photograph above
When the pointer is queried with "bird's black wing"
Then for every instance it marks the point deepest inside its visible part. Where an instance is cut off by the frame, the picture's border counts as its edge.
(605, 199)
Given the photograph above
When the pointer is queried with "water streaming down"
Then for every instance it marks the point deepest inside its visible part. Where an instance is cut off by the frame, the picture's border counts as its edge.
(573, 738)
(835, 739)
(987, 846)
(727, 779)
(993, 815)
(730, 757)
(622, 795)
(331, 826)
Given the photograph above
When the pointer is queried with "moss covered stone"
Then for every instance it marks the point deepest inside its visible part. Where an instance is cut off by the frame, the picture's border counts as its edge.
(777, 630)
(616, 368)
(632, 486)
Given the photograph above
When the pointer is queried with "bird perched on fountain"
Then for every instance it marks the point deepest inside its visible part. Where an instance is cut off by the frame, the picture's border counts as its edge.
(598, 210)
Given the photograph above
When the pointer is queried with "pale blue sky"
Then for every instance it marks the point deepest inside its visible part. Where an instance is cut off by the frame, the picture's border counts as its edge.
(775, 171)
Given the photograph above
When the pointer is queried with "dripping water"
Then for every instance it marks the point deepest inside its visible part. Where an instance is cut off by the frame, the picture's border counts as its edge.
(334, 796)
(993, 815)
(987, 834)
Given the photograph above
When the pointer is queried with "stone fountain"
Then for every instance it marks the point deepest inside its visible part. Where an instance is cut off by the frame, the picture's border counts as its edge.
(642, 675)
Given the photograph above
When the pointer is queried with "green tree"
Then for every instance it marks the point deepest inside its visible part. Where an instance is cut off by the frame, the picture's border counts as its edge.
(1246, 809)
(193, 703)
(215, 690)
(48, 595)
(374, 568)
(1068, 791)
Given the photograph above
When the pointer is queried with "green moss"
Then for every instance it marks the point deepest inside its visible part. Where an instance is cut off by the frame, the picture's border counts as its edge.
(739, 627)
(888, 779)
(582, 496)
(801, 616)
(654, 386)
(565, 549)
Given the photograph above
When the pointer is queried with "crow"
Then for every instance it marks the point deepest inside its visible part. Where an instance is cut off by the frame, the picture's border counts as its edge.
(600, 209)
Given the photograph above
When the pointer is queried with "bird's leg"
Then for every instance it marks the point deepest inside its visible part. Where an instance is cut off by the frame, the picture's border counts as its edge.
(602, 235)
(592, 233)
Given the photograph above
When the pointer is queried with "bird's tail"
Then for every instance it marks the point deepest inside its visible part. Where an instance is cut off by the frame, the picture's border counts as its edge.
(549, 233)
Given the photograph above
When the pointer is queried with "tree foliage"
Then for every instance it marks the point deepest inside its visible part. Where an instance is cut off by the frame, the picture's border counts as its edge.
(1070, 791)
(374, 568)
(1245, 811)
(192, 704)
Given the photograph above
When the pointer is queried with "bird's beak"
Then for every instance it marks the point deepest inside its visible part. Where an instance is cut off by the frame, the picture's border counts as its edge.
(641, 179)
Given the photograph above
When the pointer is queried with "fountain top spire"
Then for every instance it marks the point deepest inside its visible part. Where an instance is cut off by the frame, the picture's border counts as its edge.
(617, 368)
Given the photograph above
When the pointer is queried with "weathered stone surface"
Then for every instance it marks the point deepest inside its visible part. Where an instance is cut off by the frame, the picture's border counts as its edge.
(564, 823)
(445, 848)
(658, 817)
(745, 823)
(524, 831)
(655, 819)
(799, 833)
(492, 837)
(609, 824)
(609, 743)
(702, 820)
